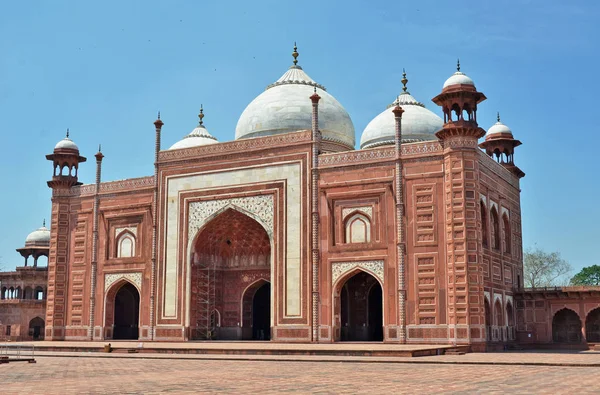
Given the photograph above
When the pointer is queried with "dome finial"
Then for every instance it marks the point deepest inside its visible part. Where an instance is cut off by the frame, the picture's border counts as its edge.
(295, 54)
(404, 80)
(67, 132)
(201, 116)
(158, 114)
(44, 223)
(457, 64)
(498, 116)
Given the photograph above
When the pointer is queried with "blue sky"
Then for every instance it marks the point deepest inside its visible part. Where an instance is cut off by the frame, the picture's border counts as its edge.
(103, 69)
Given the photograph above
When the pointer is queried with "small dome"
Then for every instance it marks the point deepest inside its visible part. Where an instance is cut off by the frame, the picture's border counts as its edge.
(66, 143)
(498, 129)
(285, 107)
(418, 123)
(458, 78)
(199, 136)
(38, 237)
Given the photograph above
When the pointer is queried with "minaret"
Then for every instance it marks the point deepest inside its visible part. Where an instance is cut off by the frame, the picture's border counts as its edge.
(158, 124)
(95, 220)
(66, 160)
(459, 100)
(400, 242)
(500, 144)
(316, 147)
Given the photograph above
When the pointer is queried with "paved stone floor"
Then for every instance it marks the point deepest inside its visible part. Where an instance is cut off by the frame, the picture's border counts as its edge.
(63, 375)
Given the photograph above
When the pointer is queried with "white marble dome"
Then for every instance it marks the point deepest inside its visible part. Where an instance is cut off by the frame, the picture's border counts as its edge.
(418, 124)
(498, 128)
(66, 143)
(199, 136)
(285, 106)
(458, 78)
(39, 236)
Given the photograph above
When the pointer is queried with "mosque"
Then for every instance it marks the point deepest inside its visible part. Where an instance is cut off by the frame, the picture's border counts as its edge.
(290, 234)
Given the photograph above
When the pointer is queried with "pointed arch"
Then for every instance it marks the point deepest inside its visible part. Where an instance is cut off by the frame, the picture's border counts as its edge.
(484, 225)
(111, 316)
(126, 244)
(357, 227)
(494, 228)
(566, 326)
(357, 312)
(506, 232)
(592, 326)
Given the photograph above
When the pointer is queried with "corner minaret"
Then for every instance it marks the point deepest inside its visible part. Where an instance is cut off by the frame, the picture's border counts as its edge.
(500, 144)
(66, 160)
(459, 134)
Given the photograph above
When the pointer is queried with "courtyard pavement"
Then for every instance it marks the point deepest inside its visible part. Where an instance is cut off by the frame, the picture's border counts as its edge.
(513, 372)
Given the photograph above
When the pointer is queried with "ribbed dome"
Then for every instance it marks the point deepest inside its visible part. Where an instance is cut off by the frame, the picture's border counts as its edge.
(198, 136)
(285, 107)
(38, 237)
(66, 143)
(418, 123)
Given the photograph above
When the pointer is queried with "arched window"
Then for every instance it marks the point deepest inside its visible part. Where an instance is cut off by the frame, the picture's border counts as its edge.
(484, 225)
(495, 228)
(358, 229)
(125, 245)
(39, 293)
(510, 318)
(506, 230)
(499, 313)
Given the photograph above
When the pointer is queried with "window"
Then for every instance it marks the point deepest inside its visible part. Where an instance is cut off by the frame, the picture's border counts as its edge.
(125, 245)
(495, 229)
(358, 229)
(484, 226)
(506, 230)
(7, 330)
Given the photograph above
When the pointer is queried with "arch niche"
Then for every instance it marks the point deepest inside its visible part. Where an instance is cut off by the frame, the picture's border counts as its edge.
(358, 307)
(36, 328)
(566, 327)
(230, 272)
(592, 326)
(122, 311)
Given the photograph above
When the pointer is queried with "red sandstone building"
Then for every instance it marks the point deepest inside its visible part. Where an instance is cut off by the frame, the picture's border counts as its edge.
(288, 233)
(23, 292)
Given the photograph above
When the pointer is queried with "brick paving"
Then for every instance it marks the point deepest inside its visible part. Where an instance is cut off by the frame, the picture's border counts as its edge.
(61, 375)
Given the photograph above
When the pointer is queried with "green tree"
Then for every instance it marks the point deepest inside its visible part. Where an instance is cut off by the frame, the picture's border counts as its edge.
(544, 269)
(587, 276)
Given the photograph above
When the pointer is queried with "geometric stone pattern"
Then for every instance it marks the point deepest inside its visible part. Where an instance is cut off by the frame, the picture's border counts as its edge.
(134, 277)
(338, 269)
(260, 206)
(365, 209)
(130, 229)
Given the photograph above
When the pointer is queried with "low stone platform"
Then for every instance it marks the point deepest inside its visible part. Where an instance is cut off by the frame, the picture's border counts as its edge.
(250, 348)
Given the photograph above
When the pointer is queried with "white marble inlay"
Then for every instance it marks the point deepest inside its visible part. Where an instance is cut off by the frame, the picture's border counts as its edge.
(368, 210)
(290, 172)
(338, 269)
(134, 277)
(202, 212)
(131, 229)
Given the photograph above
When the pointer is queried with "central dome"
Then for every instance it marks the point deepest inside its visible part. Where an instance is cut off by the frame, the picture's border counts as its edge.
(285, 107)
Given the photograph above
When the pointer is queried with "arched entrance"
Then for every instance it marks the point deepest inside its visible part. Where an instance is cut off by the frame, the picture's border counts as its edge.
(126, 312)
(488, 320)
(36, 328)
(566, 327)
(230, 262)
(359, 306)
(256, 311)
(592, 326)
